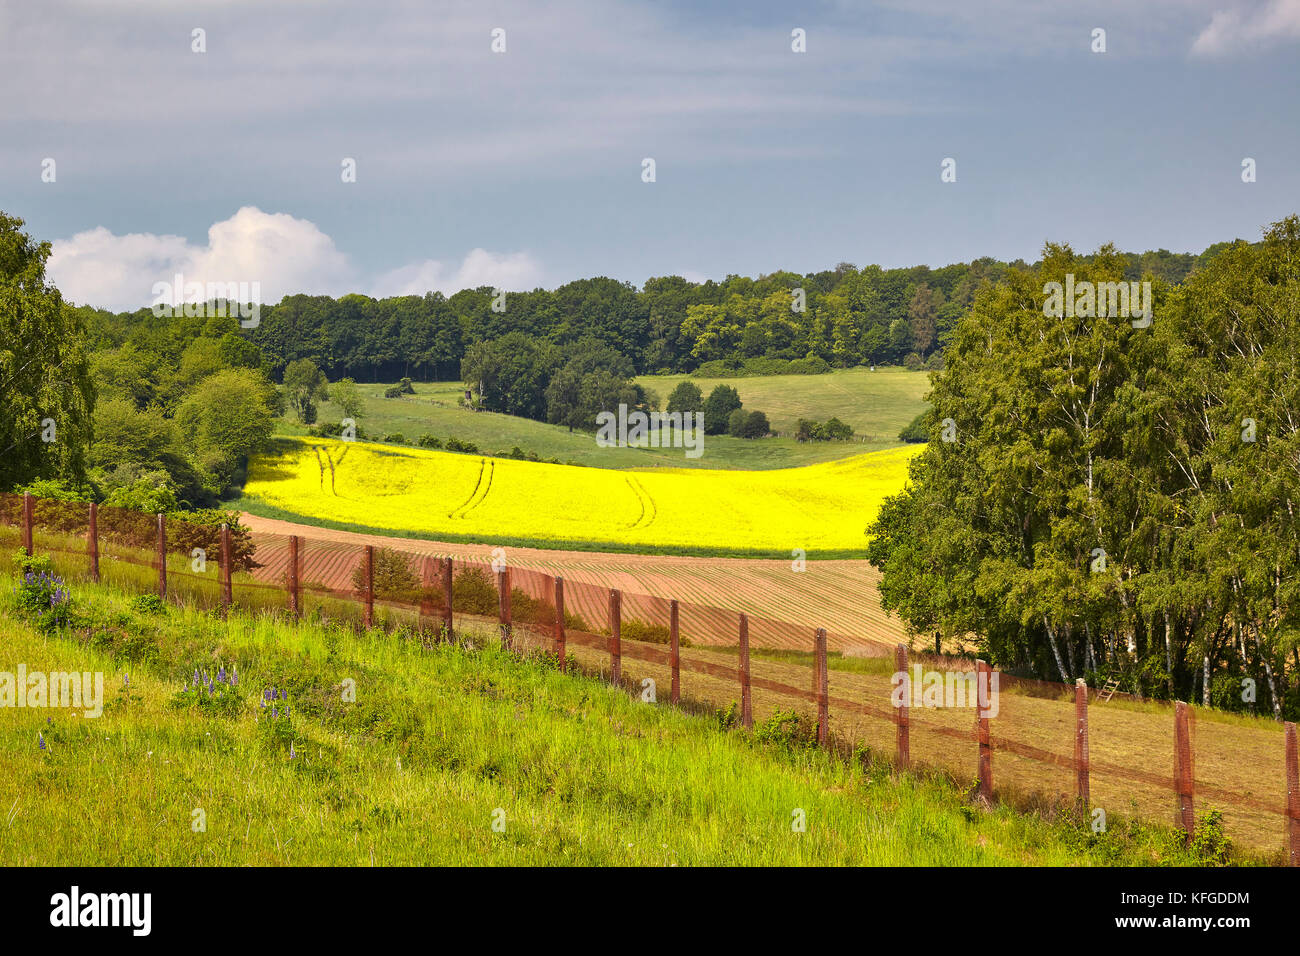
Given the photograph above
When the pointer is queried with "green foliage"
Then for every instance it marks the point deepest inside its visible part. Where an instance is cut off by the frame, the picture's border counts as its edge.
(722, 401)
(831, 430)
(187, 530)
(1112, 485)
(46, 391)
(474, 591)
(788, 730)
(149, 604)
(1209, 842)
(394, 577)
(430, 441)
(686, 397)
(304, 386)
(917, 429)
(468, 447)
(344, 394)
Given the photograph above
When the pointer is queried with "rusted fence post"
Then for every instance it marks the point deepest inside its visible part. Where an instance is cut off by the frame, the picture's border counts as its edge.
(1184, 771)
(162, 555)
(746, 697)
(1081, 741)
(27, 522)
(674, 653)
(369, 581)
(447, 616)
(1292, 796)
(903, 717)
(92, 542)
(295, 577)
(615, 638)
(821, 684)
(982, 674)
(225, 570)
(503, 607)
(559, 623)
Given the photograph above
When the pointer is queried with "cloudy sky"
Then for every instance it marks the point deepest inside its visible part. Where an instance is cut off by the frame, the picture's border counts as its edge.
(524, 168)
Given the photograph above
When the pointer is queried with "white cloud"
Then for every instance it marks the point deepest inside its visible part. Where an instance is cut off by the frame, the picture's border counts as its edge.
(284, 254)
(514, 272)
(1238, 29)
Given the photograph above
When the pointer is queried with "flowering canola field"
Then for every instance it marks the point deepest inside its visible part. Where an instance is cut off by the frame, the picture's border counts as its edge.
(818, 507)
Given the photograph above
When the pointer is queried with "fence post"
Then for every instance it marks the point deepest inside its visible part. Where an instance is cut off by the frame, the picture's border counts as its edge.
(294, 580)
(503, 607)
(369, 579)
(674, 652)
(27, 523)
(447, 618)
(1081, 742)
(904, 718)
(1292, 796)
(1184, 774)
(92, 542)
(559, 623)
(821, 682)
(225, 570)
(615, 637)
(982, 679)
(746, 698)
(162, 555)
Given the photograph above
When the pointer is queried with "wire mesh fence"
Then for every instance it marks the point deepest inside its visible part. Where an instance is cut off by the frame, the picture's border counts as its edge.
(1036, 739)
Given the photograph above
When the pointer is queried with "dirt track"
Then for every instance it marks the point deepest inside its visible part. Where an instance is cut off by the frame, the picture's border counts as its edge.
(839, 595)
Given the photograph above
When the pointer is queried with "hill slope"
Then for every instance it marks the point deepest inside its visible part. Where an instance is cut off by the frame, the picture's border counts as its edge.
(439, 742)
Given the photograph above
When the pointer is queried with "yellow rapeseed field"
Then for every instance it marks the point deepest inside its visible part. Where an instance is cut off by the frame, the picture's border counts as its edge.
(818, 507)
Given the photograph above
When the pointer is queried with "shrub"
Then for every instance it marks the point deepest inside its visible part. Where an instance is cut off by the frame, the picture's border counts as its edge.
(913, 362)
(404, 387)
(187, 530)
(722, 401)
(430, 441)
(917, 430)
(394, 391)
(736, 422)
(755, 425)
(146, 604)
(41, 595)
(396, 438)
(788, 730)
(455, 444)
(394, 577)
(473, 591)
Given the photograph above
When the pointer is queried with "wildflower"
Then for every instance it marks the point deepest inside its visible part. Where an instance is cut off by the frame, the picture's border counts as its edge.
(40, 739)
(221, 675)
(274, 713)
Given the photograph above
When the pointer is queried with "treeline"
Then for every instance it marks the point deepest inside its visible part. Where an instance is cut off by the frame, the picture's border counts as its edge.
(838, 317)
(1108, 501)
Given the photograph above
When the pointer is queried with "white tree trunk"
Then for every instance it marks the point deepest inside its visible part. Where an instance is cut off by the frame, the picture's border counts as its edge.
(1051, 639)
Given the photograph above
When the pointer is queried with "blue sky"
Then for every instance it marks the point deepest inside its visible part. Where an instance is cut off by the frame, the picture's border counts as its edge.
(523, 168)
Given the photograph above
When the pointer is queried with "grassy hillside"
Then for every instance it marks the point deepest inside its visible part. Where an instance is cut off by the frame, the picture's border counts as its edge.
(877, 404)
(440, 741)
(820, 508)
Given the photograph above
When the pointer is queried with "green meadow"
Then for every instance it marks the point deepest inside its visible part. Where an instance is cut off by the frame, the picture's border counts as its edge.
(876, 404)
(448, 753)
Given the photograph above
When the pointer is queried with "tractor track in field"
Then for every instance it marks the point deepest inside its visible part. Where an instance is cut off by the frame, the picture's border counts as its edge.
(785, 606)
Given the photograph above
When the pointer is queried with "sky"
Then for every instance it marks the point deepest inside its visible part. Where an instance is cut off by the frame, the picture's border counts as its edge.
(525, 167)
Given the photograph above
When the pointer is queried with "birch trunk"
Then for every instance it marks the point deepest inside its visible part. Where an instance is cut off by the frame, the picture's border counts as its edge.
(1051, 639)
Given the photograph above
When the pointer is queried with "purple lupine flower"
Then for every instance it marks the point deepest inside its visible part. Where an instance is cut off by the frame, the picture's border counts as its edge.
(196, 677)
(221, 675)
(264, 705)
(40, 740)
(126, 681)
(274, 713)
(286, 710)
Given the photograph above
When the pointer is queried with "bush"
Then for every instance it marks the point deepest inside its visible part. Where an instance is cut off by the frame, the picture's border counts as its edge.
(474, 591)
(430, 441)
(736, 422)
(722, 401)
(187, 530)
(913, 362)
(404, 387)
(396, 438)
(394, 578)
(917, 430)
(833, 430)
(393, 391)
(455, 444)
(788, 730)
(755, 425)
(42, 597)
(935, 363)
(150, 604)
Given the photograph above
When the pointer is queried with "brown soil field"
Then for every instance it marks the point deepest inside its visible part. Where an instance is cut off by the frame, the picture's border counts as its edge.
(785, 606)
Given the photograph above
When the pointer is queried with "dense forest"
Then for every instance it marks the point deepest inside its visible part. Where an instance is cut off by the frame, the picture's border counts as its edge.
(845, 316)
(1104, 500)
